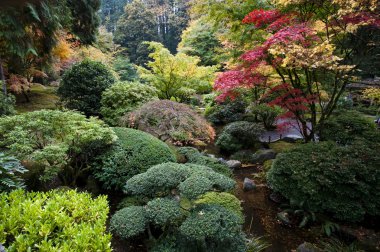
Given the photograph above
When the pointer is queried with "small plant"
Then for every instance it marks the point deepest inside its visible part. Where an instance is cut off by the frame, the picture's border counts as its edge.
(10, 171)
(296, 213)
(265, 114)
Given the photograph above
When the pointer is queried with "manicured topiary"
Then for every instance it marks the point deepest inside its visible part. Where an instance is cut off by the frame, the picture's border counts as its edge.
(193, 156)
(345, 126)
(124, 97)
(239, 135)
(129, 222)
(82, 86)
(171, 121)
(133, 153)
(163, 211)
(339, 180)
(62, 220)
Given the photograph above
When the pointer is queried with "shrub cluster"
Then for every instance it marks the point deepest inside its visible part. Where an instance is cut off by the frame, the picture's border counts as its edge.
(227, 112)
(239, 135)
(124, 97)
(10, 173)
(170, 121)
(53, 221)
(82, 86)
(60, 142)
(328, 178)
(7, 103)
(134, 152)
(265, 114)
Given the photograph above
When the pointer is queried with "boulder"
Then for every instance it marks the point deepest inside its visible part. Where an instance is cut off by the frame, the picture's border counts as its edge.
(233, 164)
(263, 155)
(307, 247)
(2, 249)
(248, 184)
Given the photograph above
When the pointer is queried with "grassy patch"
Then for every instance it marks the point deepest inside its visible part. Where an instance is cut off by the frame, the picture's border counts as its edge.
(282, 146)
(41, 97)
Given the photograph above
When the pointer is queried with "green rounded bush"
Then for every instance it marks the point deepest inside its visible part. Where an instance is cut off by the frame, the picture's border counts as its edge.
(7, 103)
(339, 180)
(133, 153)
(124, 97)
(227, 112)
(82, 86)
(345, 126)
(163, 211)
(265, 114)
(239, 135)
(129, 222)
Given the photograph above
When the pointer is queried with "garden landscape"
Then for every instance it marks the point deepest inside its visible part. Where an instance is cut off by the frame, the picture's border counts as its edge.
(190, 125)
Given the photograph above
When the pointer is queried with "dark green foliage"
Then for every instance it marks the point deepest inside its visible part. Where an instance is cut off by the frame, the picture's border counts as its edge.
(214, 228)
(124, 97)
(62, 220)
(10, 171)
(193, 156)
(133, 153)
(163, 211)
(239, 135)
(161, 179)
(131, 201)
(125, 69)
(342, 181)
(265, 114)
(7, 104)
(82, 86)
(345, 126)
(227, 112)
(129, 222)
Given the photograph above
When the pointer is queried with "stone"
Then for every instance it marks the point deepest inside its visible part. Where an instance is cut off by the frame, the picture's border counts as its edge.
(233, 164)
(283, 217)
(2, 249)
(263, 155)
(307, 247)
(248, 184)
(222, 160)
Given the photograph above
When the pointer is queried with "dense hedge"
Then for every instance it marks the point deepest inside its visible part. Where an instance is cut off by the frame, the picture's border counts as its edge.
(124, 97)
(133, 153)
(341, 180)
(53, 221)
(82, 86)
(170, 121)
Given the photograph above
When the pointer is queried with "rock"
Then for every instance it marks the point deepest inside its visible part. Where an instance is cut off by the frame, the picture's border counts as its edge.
(233, 164)
(2, 249)
(222, 160)
(211, 155)
(276, 198)
(283, 217)
(307, 247)
(248, 184)
(263, 155)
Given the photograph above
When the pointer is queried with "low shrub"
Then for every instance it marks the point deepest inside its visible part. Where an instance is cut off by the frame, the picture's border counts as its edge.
(10, 171)
(134, 152)
(265, 114)
(193, 156)
(170, 121)
(228, 112)
(345, 126)
(59, 142)
(124, 97)
(7, 103)
(239, 135)
(163, 211)
(53, 221)
(328, 178)
(82, 86)
(129, 222)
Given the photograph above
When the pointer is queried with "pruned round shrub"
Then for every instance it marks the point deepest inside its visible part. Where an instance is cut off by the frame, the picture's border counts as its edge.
(265, 114)
(239, 135)
(340, 180)
(223, 199)
(60, 142)
(227, 112)
(345, 126)
(129, 222)
(124, 97)
(53, 221)
(161, 179)
(163, 211)
(193, 156)
(170, 121)
(82, 86)
(7, 103)
(134, 152)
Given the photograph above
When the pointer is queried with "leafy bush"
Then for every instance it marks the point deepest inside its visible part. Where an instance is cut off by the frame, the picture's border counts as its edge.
(193, 156)
(7, 104)
(53, 221)
(170, 121)
(134, 152)
(223, 199)
(82, 86)
(346, 126)
(161, 179)
(227, 112)
(124, 97)
(61, 142)
(265, 114)
(163, 211)
(128, 222)
(239, 135)
(10, 171)
(125, 69)
(327, 178)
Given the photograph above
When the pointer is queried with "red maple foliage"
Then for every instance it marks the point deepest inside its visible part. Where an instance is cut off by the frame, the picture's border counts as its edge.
(261, 17)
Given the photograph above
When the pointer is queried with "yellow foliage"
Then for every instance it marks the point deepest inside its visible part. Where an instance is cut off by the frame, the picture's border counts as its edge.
(372, 94)
(62, 50)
